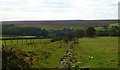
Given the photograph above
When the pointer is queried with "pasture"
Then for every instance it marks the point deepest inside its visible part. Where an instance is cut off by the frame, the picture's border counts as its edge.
(98, 52)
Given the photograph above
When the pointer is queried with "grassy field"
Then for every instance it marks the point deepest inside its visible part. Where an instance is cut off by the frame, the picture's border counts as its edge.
(99, 52)
(45, 53)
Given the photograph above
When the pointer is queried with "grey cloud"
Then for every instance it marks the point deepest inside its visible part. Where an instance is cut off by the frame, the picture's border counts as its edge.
(12, 5)
(91, 9)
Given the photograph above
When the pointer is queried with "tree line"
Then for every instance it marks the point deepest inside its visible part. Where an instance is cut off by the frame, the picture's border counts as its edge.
(24, 31)
(66, 33)
(108, 31)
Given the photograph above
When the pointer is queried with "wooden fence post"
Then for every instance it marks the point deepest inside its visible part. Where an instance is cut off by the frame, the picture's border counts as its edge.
(11, 42)
(5, 42)
(17, 41)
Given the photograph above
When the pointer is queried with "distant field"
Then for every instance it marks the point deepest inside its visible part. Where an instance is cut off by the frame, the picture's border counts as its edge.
(6, 36)
(50, 27)
(60, 24)
(0, 45)
(99, 52)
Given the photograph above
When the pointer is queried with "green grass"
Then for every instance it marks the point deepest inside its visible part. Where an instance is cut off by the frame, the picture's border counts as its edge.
(26, 41)
(104, 51)
(54, 27)
(115, 24)
(56, 50)
(8, 36)
(0, 45)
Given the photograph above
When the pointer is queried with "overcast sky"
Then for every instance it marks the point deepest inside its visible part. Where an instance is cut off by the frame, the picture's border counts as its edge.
(58, 9)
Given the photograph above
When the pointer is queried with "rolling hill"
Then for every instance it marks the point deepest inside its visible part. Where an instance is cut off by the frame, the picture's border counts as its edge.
(62, 23)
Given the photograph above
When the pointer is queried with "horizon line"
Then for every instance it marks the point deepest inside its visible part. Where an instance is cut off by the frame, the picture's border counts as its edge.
(60, 20)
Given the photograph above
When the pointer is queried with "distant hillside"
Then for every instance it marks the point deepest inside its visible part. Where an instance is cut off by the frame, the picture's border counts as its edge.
(76, 24)
(64, 22)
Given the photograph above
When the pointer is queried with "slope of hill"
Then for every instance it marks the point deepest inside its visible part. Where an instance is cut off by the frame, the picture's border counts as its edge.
(62, 23)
